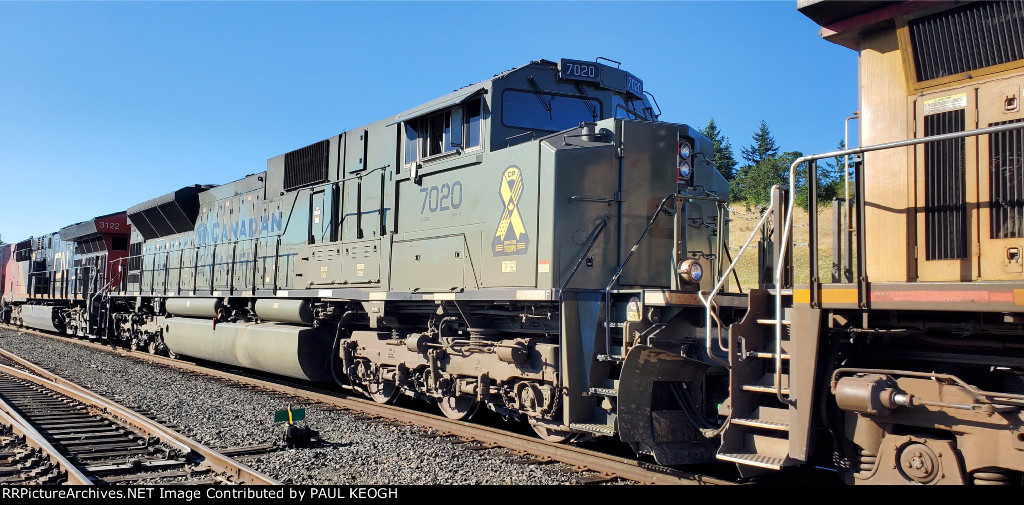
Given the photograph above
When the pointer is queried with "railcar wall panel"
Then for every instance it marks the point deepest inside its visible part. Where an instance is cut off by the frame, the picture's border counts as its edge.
(888, 174)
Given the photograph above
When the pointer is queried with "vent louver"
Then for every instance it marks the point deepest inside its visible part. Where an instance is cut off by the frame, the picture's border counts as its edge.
(977, 35)
(945, 204)
(1006, 176)
(89, 246)
(306, 166)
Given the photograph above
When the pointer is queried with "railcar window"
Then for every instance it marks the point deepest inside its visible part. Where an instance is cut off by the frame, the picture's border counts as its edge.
(543, 111)
(444, 132)
(410, 143)
(120, 243)
(473, 123)
(438, 126)
(633, 109)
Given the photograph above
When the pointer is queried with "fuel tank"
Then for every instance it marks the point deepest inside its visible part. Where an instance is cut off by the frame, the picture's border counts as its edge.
(40, 317)
(293, 351)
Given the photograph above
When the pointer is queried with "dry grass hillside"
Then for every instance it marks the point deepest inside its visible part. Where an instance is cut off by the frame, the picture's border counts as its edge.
(742, 225)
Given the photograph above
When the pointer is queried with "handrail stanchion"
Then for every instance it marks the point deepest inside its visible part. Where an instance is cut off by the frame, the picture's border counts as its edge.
(862, 275)
(725, 277)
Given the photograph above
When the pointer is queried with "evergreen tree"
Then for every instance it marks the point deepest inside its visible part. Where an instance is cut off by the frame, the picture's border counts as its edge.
(753, 183)
(723, 160)
(834, 171)
(764, 146)
(764, 169)
(831, 183)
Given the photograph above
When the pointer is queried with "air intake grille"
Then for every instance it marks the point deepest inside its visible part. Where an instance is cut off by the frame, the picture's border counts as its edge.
(90, 246)
(974, 36)
(306, 166)
(945, 211)
(1006, 173)
(135, 254)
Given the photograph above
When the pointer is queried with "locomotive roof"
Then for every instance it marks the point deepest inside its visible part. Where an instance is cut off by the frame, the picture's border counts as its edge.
(844, 23)
(85, 228)
(459, 95)
(826, 12)
(172, 213)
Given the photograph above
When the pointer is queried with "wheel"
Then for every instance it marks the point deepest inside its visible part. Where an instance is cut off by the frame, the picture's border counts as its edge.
(382, 392)
(550, 434)
(154, 347)
(457, 407)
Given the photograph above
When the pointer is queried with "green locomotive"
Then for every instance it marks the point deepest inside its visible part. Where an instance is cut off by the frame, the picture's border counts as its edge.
(531, 244)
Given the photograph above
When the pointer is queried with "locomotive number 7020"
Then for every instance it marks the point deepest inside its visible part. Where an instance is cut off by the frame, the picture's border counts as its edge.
(442, 198)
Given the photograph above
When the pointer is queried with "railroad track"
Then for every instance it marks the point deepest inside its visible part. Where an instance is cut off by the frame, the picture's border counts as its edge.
(53, 431)
(530, 449)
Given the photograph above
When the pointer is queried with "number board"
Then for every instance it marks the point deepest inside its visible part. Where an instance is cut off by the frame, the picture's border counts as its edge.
(607, 77)
(579, 70)
(634, 85)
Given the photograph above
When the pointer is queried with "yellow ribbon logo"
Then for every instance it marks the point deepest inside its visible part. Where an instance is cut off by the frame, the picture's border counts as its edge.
(510, 190)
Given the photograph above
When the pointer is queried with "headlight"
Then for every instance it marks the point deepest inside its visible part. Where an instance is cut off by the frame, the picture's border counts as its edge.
(684, 169)
(684, 151)
(691, 271)
(683, 161)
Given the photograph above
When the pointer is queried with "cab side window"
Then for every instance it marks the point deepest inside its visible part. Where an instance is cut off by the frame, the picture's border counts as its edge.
(448, 131)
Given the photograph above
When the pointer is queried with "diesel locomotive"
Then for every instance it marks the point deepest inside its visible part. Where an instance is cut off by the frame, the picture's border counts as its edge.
(541, 245)
(504, 247)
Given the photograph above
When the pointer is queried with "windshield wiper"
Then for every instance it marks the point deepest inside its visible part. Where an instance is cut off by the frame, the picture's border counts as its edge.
(586, 101)
(540, 95)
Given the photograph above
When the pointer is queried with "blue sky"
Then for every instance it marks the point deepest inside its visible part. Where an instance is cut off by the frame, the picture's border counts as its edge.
(105, 105)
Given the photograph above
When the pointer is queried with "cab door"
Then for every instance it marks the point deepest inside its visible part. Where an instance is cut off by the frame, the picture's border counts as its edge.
(320, 216)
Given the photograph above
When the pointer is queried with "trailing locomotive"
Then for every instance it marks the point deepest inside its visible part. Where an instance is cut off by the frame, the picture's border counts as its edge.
(57, 282)
(540, 245)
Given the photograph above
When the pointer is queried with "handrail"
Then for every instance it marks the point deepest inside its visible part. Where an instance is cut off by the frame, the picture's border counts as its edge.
(788, 226)
(622, 266)
(595, 234)
(725, 277)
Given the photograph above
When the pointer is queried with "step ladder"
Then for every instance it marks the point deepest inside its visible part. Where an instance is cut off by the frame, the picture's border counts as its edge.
(760, 396)
(610, 353)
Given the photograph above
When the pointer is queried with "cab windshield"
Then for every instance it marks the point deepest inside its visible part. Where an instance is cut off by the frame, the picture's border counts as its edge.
(547, 111)
(634, 108)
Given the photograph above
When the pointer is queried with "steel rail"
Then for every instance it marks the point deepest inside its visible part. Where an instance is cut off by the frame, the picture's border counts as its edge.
(214, 459)
(624, 468)
(18, 424)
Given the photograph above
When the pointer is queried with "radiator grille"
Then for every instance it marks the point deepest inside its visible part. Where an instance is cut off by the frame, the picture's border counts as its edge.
(945, 205)
(306, 166)
(977, 35)
(1006, 173)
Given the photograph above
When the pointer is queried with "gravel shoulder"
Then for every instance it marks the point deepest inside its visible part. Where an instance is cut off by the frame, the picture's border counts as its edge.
(353, 451)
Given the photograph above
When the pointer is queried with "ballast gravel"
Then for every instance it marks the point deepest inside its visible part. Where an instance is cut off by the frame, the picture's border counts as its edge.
(352, 451)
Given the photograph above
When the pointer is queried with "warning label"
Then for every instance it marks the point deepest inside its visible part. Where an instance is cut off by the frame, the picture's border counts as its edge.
(945, 103)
